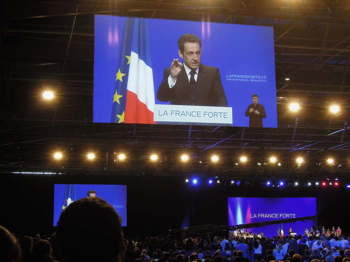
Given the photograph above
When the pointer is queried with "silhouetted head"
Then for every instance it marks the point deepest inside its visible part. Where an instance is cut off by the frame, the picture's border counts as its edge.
(10, 250)
(89, 230)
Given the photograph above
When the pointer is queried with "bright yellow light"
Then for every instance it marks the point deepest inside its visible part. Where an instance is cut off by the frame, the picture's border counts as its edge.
(273, 159)
(57, 155)
(334, 109)
(48, 95)
(294, 107)
(153, 157)
(299, 160)
(330, 161)
(90, 156)
(243, 159)
(121, 157)
(184, 158)
(214, 158)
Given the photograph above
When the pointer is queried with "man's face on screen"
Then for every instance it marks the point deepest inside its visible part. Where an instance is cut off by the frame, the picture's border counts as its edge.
(92, 194)
(255, 100)
(191, 55)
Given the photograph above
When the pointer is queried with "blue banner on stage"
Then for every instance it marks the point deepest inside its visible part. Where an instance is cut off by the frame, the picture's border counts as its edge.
(247, 210)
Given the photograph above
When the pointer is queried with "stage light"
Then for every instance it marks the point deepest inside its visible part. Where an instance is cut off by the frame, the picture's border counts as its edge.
(195, 181)
(273, 160)
(330, 161)
(299, 161)
(268, 183)
(121, 157)
(243, 159)
(210, 181)
(184, 158)
(187, 180)
(214, 158)
(281, 184)
(238, 183)
(279, 164)
(287, 79)
(57, 155)
(294, 107)
(324, 184)
(309, 184)
(317, 183)
(232, 182)
(336, 184)
(296, 183)
(334, 109)
(348, 186)
(218, 181)
(48, 95)
(90, 156)
(258, 164)
(153, 157)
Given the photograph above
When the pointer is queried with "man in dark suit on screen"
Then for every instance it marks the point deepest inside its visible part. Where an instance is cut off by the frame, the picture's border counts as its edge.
(191, 83)
(255, 112)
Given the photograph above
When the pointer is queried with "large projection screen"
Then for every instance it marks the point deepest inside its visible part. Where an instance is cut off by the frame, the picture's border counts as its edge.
(132, 55)
(65, 194)
(250, 210)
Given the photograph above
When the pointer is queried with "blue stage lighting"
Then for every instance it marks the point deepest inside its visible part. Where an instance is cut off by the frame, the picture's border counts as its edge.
(296, 183)
(348, 186)
(194, 181)
(281, 184)
(238, 183)
(210, 181)
(268, 183)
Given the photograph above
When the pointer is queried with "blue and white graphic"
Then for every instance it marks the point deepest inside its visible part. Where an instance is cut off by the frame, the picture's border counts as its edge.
(115, 195)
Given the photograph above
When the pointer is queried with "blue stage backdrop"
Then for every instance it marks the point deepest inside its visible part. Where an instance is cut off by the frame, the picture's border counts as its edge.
(115, 195)
(132, 53)
(248, 210)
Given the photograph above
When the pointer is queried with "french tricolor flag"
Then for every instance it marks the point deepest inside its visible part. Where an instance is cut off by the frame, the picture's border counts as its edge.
(139, 106)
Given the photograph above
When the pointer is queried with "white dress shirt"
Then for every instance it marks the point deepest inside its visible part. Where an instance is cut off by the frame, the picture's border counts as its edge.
(172, 80)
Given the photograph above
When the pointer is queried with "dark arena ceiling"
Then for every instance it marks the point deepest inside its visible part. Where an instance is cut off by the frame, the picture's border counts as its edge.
(50, 43)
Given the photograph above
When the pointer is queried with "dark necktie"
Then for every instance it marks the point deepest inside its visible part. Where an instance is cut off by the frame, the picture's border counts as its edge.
(192, 80)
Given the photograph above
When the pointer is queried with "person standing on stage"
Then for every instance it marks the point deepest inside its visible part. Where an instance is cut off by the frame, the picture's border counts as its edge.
(255, 112)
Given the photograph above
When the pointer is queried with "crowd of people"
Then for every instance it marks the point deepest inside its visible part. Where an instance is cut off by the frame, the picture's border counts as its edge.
(90, 230)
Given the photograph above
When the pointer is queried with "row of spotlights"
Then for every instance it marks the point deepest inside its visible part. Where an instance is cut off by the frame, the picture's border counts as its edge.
(196, 181)
(323, 184)
(214, 158)
(120, 157)
(59, 156)
(294, 107)
(280, 184)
